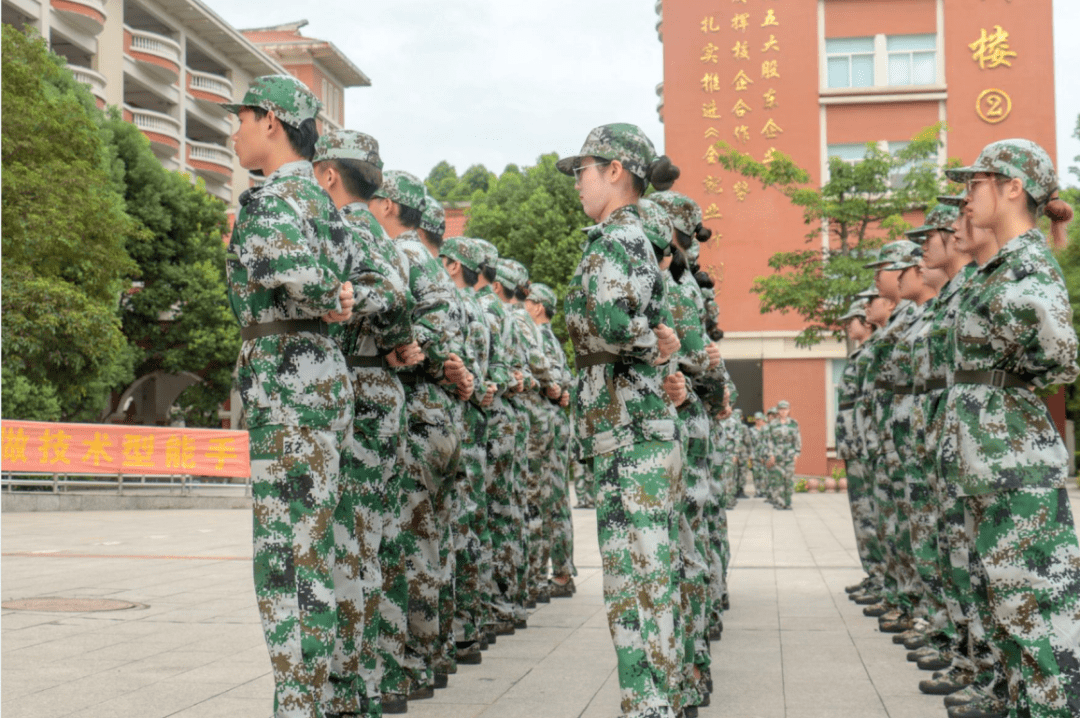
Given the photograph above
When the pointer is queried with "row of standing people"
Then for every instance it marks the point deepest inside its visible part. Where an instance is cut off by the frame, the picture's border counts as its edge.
(404, 396)
(956, 471)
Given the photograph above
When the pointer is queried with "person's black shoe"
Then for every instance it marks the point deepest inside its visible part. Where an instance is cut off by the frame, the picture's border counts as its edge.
(942, 684)
(468, 653)
(866, 599)
(490, 635)
(562, 590)
(530, 604)
(724, 602)
(920, 653)
(442, 680)
(504, 628)
(422, 693)
(933, 663)
(983, 708)
(877, 610)
(394, 704)
(964, 696)
(522, 624)
(857, 587)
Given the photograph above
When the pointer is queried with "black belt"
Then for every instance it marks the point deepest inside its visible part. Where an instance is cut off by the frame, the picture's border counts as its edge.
(903, 389)
(883, 385)
(412, 378)
(586, 360)
(925, 387)
(994, 377)
(284, 326)
(845, 405)
(370, 362)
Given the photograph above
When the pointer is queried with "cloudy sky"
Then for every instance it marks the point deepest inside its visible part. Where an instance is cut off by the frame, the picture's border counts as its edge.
(499, 81)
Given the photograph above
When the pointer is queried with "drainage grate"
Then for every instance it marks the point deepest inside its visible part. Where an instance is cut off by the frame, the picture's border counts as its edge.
(68, 605)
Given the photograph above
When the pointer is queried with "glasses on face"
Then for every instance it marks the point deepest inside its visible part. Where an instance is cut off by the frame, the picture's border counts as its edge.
(581, 168)
(969, 186)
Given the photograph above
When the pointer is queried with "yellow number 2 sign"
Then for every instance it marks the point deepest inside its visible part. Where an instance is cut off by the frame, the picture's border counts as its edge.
(993, 105)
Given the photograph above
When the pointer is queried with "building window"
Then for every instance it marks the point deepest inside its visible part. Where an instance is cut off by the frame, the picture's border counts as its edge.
(850, 61)
(912, 59)
(854, 152)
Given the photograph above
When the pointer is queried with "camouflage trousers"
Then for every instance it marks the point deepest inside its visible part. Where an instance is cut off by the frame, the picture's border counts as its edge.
(505, 514)
(584, 484)
(538, 494)
(694, 573)
(638, 531)
(860, 500)
(296, 488)
(1026, 544)
(557, 475)
(472, 538)
(759, 476)
(368, 506)
(430, 456)
(904, 472)
(786, 478)
(886, 527)
(519, 476)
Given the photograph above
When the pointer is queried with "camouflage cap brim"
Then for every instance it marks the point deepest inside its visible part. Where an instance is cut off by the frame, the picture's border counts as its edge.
(868, 294)
(953, 200)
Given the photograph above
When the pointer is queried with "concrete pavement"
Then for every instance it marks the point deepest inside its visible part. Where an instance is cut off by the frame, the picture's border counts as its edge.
(793, 645)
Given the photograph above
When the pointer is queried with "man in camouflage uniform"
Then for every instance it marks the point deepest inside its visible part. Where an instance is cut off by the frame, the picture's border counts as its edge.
(348, 167)
(774, 469)
(999, 449)
(761, 448)
(788, 441)
(289, 265)
(541, 305)
(626, 425)
(429, 452)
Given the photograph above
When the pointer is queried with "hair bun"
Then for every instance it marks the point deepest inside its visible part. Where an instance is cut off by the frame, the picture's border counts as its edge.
(1058, 210)
(704, 280)
(662, 173)
(702, 233)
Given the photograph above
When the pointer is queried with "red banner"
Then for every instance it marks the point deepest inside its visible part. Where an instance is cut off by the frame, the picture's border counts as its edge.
(45, 447)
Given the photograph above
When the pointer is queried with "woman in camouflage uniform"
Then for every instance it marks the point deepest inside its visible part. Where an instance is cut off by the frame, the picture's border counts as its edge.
(999, 446)
(625, 420)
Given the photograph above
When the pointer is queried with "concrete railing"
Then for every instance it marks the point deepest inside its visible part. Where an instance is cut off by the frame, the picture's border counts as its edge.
(209, 152)
(150, 43)
(213, 84)
(95, 80)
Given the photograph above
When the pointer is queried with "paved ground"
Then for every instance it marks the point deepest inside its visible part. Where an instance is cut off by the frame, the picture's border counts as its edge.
(793, 646)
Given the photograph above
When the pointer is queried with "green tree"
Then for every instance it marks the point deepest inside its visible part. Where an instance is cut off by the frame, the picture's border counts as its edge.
(64, 231)
(860, 206)
(179, 319)
(442, 181)
(534, 215)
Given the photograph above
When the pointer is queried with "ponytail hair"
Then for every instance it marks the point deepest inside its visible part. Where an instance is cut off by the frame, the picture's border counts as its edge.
(662, 173)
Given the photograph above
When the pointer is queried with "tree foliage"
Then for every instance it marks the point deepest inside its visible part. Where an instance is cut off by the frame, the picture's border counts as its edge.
(179, 319)
(64, 230)
(534, 215)
(860, 206)
(444, 184)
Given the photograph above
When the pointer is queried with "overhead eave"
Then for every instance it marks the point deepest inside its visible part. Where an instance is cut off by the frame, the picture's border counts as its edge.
(328, 54)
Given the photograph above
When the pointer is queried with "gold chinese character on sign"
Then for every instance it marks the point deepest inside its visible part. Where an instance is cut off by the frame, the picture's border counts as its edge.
(708, 53)
(712, 212)
(221, 450)
(95, 449)
(770, 19)
(708, 24)
(179, 452)
(741, 51)
(709, 111)
(139, 451)
(742, 134)
(993, 105)
(740, 21)
(770, 70)
(741, 81)
(771, 44)
(54, 447)
(710, 82)
(14, 444)
(768, 158)
(771, 129)
(712, 184)
(770, 99)
(712, 132)
(710, 155)
(740, 108)
(992, 50)
(741, 189)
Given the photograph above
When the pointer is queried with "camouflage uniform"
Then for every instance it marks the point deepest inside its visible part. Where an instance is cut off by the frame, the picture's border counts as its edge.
(788, 442)
(1001, 453)
(626, 424)
(762, 449)
(288, 255)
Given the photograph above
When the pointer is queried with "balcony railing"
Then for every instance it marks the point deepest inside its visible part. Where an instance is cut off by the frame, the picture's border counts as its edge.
(159, 54)
(88, 15)
(95, 80)
(211, 158)
(207, 86)
(162, 130)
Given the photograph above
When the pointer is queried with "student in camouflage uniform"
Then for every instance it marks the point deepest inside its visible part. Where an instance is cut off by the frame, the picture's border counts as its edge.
(348, 167)
(999, 446)
(429, 451)
(289, 266)
(761, 448)
(789, 442)
(625, 420)
(774, 468)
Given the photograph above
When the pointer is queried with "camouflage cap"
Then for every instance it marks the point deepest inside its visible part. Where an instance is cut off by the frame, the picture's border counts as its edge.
(289, 99)
(489, 253)
(1017, 159)
(783, 404)
(545, 295)
(511, 274)
(772, 410)
(857, 309)
(347, 145)
(623, 142)
(868, 294)
(656, 223)
(954, 200)
(464, 250)
(893, 252)
(403, 188)
(433, 218)
(758, 416)
(684, 212)
(910, 259)
(941, 218)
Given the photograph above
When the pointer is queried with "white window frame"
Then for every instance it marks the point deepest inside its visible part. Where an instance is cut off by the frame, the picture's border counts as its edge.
(829, 56)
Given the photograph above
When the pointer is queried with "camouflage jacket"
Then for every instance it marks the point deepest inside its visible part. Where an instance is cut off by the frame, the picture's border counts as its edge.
(503, 360)
(876, 401)
(614, 299)
(761, 444)
(864, 382)
(847, 392)
(288, 255)
(686, 310)
(378, 394)
(478, 342)
(787, 441)
(553, 347)
(1015, 316)
(932, 356)
(532, 346)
